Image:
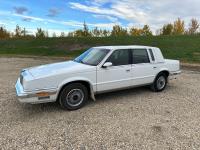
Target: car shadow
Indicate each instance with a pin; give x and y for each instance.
(118, 95)
(55, 107)
(114, 96)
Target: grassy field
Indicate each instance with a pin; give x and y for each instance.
(185, 48)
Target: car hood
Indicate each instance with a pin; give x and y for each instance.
(58, 68)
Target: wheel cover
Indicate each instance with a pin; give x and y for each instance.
(75, 97)
(161, 82)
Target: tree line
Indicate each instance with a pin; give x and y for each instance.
(178, 27)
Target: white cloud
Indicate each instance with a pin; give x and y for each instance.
(50, 31)
(112, 19)
(103, 25)
(2, 23)
(140, 12)
(29, 17)
(71, 23)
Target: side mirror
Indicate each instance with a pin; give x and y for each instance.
(107, 64)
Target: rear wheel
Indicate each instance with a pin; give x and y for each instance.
(159, 83)
(73, 96)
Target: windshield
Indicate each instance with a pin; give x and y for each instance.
(92, 56)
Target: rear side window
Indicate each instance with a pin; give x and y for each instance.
(140, 56)
(119, 57)
(152, 56)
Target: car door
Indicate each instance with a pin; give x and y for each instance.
(116, 76)
(143, 71)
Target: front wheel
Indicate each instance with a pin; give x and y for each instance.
(159, 83)
(73, 96)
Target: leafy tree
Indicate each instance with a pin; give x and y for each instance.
(4, 33)
(193, 26)
(146, 31)
(179, 27)
(78, 33)
(167, 29)
(135, 31)
(118, 31)
(40, 33)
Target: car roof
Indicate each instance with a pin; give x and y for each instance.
(124, 47)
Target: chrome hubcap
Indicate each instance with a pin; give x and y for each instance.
(75, 97)
(161, 82)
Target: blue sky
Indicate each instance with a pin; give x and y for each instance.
(68, 15)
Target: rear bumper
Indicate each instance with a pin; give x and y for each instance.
(27, 97)
(174, 75)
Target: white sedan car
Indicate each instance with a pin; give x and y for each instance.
(98, 70)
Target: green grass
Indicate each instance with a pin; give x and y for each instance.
(185, 48)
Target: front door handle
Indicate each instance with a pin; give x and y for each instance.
(128, 70)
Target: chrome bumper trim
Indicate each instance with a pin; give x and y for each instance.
(175, 73)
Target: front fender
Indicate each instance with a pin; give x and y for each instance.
(75, 79)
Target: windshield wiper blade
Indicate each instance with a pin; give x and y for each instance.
(81, 62)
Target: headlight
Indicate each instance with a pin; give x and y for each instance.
(23, 73)
(21, 79)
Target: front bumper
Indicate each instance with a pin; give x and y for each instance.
(21, 95)
(28, 97)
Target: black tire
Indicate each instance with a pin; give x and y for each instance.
(159, 83)
(73, 96)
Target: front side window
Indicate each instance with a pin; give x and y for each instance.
(140, 56)
(119, 57)
(92, 56)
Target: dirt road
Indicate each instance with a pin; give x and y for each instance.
(131, 119)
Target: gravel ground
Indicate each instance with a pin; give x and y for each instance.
(131, 119)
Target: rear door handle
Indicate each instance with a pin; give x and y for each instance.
(154, 67)
(128, 70)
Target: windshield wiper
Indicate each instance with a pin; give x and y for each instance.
(82, 62)
(78, 61)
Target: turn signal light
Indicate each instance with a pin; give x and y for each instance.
(42, 94)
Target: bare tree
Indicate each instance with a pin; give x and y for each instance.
(54, 34)
(86, 32)
(18, 31)
(62, 34)
(40, 33)
(193, 26)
